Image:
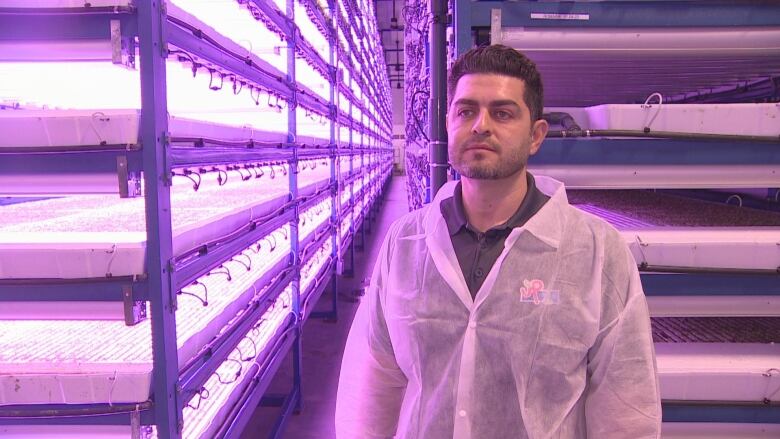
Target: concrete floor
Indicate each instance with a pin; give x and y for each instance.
(323, 341)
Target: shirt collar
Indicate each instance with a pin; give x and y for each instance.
(455, 214)
(547, 225)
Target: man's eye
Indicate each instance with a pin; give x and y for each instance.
(465, 113)
(503, 115)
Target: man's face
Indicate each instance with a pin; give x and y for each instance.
(489, 127)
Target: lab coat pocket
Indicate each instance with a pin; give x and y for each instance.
(405, 275)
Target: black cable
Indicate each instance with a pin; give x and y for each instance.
(205, 300)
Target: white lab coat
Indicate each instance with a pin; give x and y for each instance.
(557, 343)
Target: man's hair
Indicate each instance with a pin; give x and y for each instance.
(500, 60)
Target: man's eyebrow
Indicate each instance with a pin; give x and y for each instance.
(466, 102)
(498, 103)
(504, 103)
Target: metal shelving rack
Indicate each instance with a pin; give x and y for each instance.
(475, 22)
(367, 146)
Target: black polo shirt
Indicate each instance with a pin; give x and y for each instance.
(477, 252)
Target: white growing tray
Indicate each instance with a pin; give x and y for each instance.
(753, 119)
(743, 248)
(90, 236)
(718, 371)
(77, 362)
(81, 128)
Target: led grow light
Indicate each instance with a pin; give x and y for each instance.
(312, 125)
(311, 32)
(307, 75)
(311, 272)
(345, 196)
(314, 217)
(107, 235)
(101, 86)
(234, 21)
(114, 361)
(313, 178)
(344, 228)
(206, 412)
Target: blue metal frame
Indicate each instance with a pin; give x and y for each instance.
(335, 217)
(66, 24)
(160, 154)
(274, 15)
(655, 152)
(662, 13)
(57, 160)
(728, 412)
(710, 284)
(77, 290)
(189, 156)
(292, 129)
(159, 235)
(47, 414)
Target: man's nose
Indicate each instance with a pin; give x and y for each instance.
(482, 123)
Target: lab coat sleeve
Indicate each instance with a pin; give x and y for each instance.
(622, 396)
(371, 385)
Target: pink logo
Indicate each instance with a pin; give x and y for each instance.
(533, 292)
(530, 290)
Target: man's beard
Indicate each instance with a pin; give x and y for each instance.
(506, 166)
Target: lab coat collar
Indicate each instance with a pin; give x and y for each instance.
(546, 225)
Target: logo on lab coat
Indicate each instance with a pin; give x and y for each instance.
(533, 291)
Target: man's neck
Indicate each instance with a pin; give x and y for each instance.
(489, 203)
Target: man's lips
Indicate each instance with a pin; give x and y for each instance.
(479, 147)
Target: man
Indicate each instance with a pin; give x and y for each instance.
(499, 310)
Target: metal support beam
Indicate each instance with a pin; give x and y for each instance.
(292, 133)
(154, 138)
(437, 105)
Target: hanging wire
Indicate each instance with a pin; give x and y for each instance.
(241, 173)
(236, 377)
(102, 118)
(247, 265)
(188, 174)
(202, 395)
(768, 397)
(238, 85)
(647, 106)
(220, 180)
(252, 95)
(222, 269)
(205, 299)
(211, 80)
(269, 238)
(258, 171)
(254, 353)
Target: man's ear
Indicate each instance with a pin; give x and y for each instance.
(538, 134)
